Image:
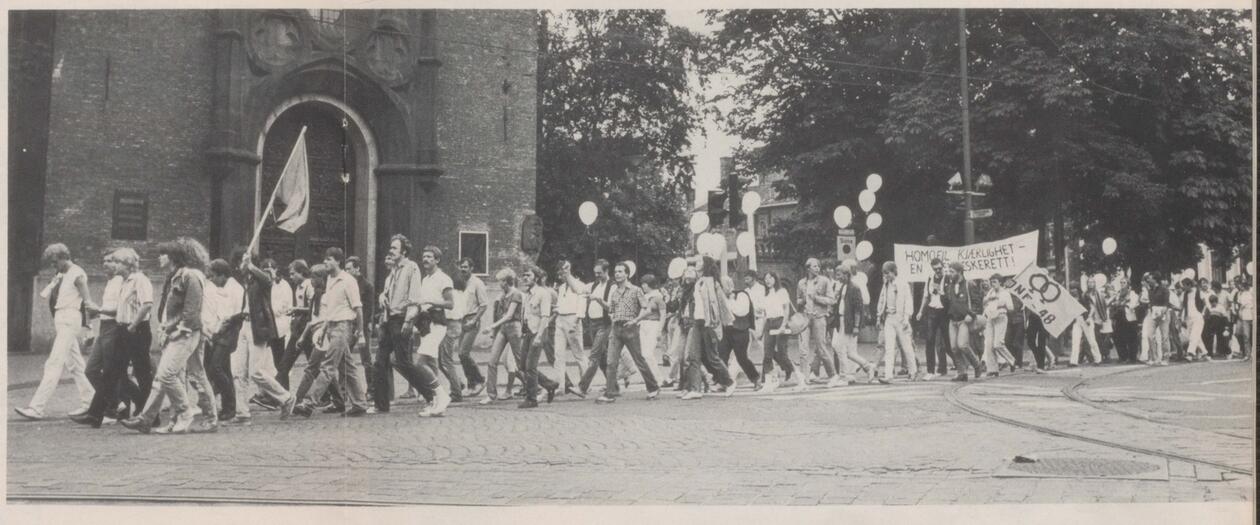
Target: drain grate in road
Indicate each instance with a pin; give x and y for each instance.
(1085, 467)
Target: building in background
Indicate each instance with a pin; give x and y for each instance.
(128, 128)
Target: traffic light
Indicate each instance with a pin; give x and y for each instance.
(735, 213)
(717, 208)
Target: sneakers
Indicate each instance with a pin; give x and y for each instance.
(605, 400)
(204, 425)
(929, 376)
(473, 390)
(801, 386)
(81, 411)
(730, 390)
(884, 381)
(653, 394)
(690, 395)
(182, 422)
(441, 400)
(29, 413)
(486, 400)
(835, 381)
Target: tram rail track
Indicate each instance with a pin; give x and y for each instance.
(1072, 392)
(952, 395)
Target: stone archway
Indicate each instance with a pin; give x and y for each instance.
(343, 212)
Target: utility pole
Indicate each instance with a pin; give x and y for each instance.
(969, 225)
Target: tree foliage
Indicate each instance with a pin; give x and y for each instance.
(617, 105)
(1130, 124)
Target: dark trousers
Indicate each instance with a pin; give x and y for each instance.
(701, 351)
(277, 345)
(937, 340)
(1036, 337)
(627, 336)
(1125, 339)
(528, 366)
(775, 348)
(1015, 339)
(394, 343)
(136, 346)
(736, 340)
(107, 371)
(599, 352)
(218, 361)
(296, 345)
(1214, 339)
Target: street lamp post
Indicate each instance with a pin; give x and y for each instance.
(969, 225)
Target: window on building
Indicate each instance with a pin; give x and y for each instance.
(475, 246)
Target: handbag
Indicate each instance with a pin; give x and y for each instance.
(228, 334)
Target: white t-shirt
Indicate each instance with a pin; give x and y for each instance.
(460, 301)
(281, 302)
(776, 303)
(431, 288)
(1246, 305)
(110, 300)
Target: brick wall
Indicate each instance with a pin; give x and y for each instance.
(488, 183)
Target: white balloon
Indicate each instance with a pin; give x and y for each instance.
(699, 222)
(859, 278)
(1100, 280)
(752, 201)
(712, 244)
(1109, 246)
(746, 243)
(874, 220)
(864, 250)
(1188, 273)
(1251, 268)
(588, 212)
(677, 267)
(866, 200)
(843, 216)
(874, 182)
(633, 268)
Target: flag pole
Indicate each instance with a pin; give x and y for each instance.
(262, 219)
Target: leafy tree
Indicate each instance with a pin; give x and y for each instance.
(617, 105)
(1130, 124)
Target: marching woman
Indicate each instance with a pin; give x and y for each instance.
(997, 306)
(707, 313)
(778, 305)
(506, 330)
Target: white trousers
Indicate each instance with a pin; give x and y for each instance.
(66, 353)
(1085, 328)
(253, 365)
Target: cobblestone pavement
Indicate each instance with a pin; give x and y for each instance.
(902, 444)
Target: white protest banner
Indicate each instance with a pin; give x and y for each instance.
(1005, 257)
(1045, 298)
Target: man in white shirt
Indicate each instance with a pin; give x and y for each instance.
(223, 300)
(896, 305)
(281, 303)
(569, 312)
(340, 323)
(68, 296)
(448, 355)
(933, 308)
(537, 318)
(597, 321)
(437, 297)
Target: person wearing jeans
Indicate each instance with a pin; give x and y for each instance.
(933, 308)
(181, 316)
(1083, 326)
(814, 299)
(400, 299)
(895, 306)
(704, 311)
(961, 309)
(597, 324)
(626, 309)
(475, 304)
(505, 331)
(735, 336)
(224, 299)
(538, 308)
(997, 306)
(338, 325)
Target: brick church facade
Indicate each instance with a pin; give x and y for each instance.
(128, 128)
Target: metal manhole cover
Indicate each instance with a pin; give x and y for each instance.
(1085, 467)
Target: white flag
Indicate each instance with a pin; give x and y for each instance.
(294, 188)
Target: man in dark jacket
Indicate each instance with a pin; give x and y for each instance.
(962, 306)
(848, 314)
(252, 360)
